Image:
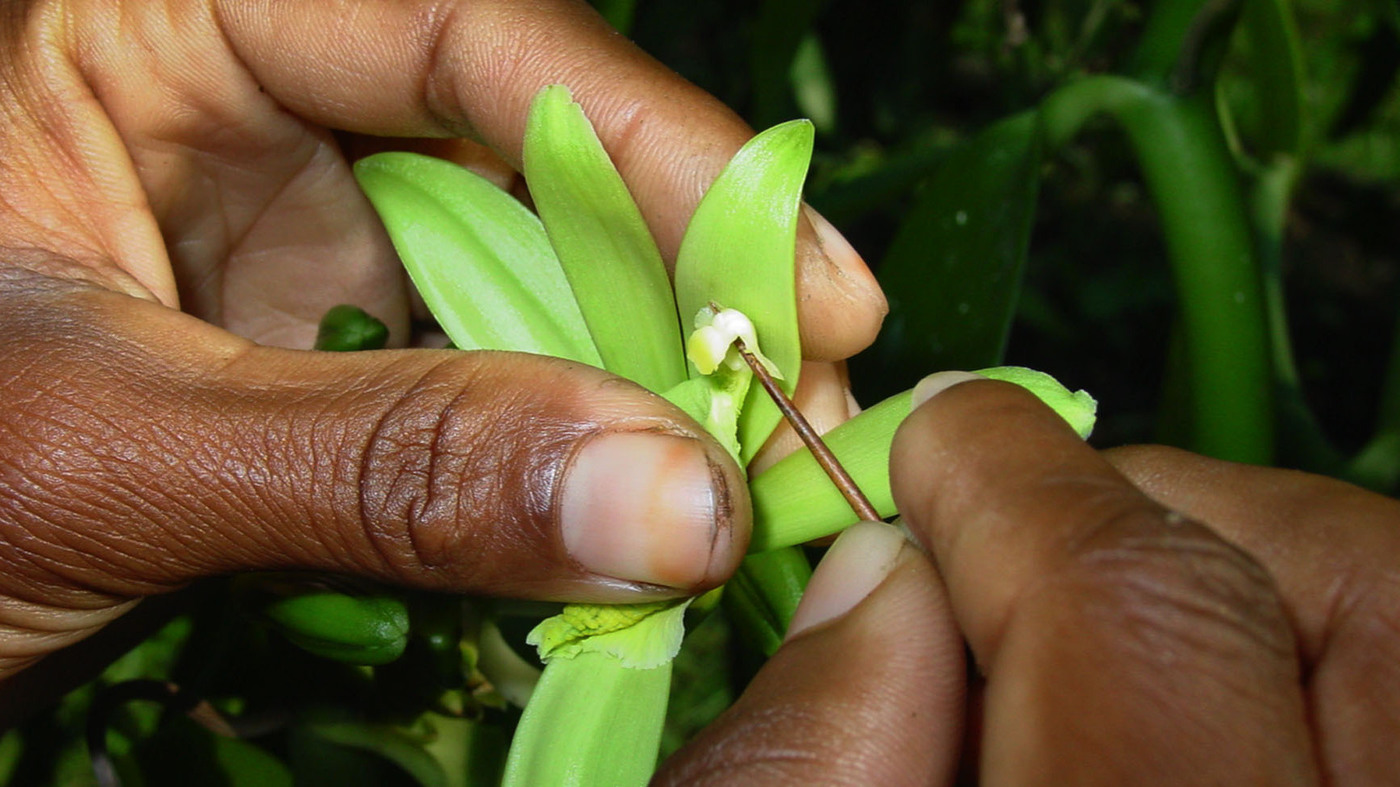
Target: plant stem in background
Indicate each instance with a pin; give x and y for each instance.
(1378, 464)
(1187, 166)
(1182, 42)
(1302, 441)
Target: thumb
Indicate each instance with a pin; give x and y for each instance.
(144, 448)
(868, 687)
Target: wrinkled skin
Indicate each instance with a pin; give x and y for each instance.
(1144, 616)
(176, 212)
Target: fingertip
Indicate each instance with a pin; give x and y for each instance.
(968, 440)
(937, 383)
(859, 560)
(895, 712)
(840, 304)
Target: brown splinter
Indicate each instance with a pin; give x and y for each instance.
(858, 501)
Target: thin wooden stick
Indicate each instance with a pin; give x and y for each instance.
(844, 483)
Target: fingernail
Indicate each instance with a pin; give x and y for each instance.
(938, 382)
(645, 507)
(854, 273)
(855, 565)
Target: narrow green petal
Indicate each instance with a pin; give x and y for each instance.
(714, 401)
(603, 243)
(480, 259)
(738, 252)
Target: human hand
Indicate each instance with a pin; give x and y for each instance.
(1146, 616)
(177, 207)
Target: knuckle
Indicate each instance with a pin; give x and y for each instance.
(461, 462)
(1367, 620)
(1156, 577)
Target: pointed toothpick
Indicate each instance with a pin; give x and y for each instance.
(844, 483)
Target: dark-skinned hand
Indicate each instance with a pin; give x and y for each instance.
(176, 214)
(1141, 617)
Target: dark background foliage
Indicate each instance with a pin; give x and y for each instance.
(901, 83)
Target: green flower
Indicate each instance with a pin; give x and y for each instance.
(583, 280)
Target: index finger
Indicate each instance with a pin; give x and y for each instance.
(1122, 642)
(471, 68)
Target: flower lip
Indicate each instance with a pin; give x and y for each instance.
(712, 342)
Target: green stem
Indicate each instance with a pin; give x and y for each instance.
(1377, 466)
(763, 595)
(591, 722)
(1181, 43)
(1389, 420)
(1302, 441)
(1064, 112)
(1187, 166)
(1273, 188)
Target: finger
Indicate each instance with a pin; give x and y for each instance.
(201, 454)
(413, 69)
(138, 143)
(1334, 549)
(213, 161)
(866, 690)
(1122, 643)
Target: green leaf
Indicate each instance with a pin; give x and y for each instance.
(1267, 47)
(183, 753)
(591, 722)
(739, 250)
(479, 258)
(11, 749)
(953, 272)
(603, 244)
